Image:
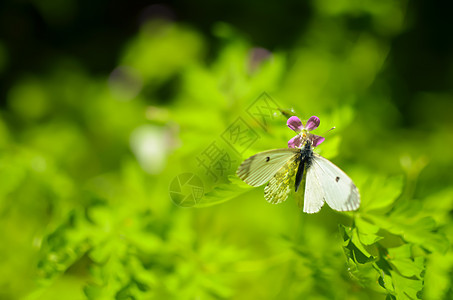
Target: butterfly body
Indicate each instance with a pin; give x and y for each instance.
(285, 168)
(306, 157)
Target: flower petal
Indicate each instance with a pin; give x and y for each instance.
(295, 142)
(316, 140)
(295, 124)
(312, 123)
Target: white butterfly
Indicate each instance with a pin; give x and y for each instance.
(286, 168)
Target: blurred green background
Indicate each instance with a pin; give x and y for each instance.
(104, 104)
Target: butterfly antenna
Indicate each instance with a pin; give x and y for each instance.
(329, 130)
(287, 112)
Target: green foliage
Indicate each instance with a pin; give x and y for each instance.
(395, 239)
(86, 163)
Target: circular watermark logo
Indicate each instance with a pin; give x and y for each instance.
(186, 190)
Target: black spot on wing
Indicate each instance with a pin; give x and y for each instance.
(268, 158)
(337, 179)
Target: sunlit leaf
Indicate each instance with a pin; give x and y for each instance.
(380, 192)
(367, 232)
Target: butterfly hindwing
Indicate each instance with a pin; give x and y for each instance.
(333, 184)
(279, 187)
(260, 168)
(314, 193)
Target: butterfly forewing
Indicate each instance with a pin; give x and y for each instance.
(260, 168)
(279, 187)
(337, 188)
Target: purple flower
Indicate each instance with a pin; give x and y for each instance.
(303, 132)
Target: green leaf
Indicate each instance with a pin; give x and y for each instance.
(367, 232)
(406, 288)
(404, 282)
(401, 258)
(385, 280)
(419, 231)
(438, 276)
(379, 192)
(352, 246)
